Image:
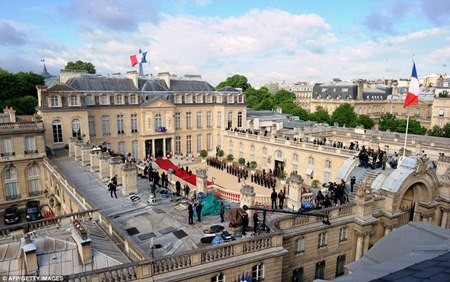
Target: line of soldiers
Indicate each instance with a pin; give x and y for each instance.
(216, 163)
(264, 179)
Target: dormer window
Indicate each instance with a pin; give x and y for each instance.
(187, 99)
(119, 100)
(73, 100)
(105, 100)
(89, 100)
(133, 99)
(54, 101)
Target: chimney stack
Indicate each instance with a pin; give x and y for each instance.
(80, 235)
(29, 255)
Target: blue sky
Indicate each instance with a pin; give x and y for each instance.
(267, 41)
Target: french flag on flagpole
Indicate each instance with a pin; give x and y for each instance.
(412, 98)
(138, 59)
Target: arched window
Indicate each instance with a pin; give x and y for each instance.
(57, 131)
(252, 153)
(10, 180)
(76, 130)
(231, 147)
(239, 121)
(34, 187)
(241, 150)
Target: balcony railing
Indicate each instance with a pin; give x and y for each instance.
(12, 197)
(26, 152)
(35, 193)
(7, 154)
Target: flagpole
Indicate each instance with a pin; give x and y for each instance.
(406, 133)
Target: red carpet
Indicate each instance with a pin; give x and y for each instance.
(166, 164)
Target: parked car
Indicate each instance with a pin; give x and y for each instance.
(33, 211)
(12, 215)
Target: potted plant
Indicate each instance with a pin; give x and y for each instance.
(253, 166)
(282, 176)
(241, 161)
(203, 155)
(315, 183)
(230, 159)
(221, 153)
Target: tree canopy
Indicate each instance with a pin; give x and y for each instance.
(236, 81)
(19, 90)
(366, 121)
(390, 122)
(320, 115)
(344, 114)
(440, 131)
(80, 65)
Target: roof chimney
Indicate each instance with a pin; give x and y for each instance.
(80, 235)
(29, 254)
(166, 77)
(133, 75)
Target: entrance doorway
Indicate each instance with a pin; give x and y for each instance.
(279, 166)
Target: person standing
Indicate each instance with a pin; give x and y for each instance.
(222, 212)
(114, 180)
(191, 214)
(352, 183)
(281, 197)
(273, 197)
(112, 188)
(255, 221)
(198, 209)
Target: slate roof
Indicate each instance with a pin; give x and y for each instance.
(152, 85)
(417, 249)
(190, 85)
(228, 89)
(61, 87)
(89, 83)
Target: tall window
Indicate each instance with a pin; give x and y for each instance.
(295, 162)
(34, 187)
(241, 150)
(343, 234)
(177, 145)
(258, 272)
(76, 128)
(218, 278)
(199, 143)
(105, 125)
(326, 176)
(311, 161)
(322, 242)
(30, 144)
(134, 126)
(340, 263)
(297, 275)
(320, 270)
(122, 147)
(54, 101)
(199, 119)
(188, 144)
(135, 149)
(7, 149)
(208, 119)
(177, 120)
(230, 120)
(91, 121)
(231, 147)
(10, 179)
(252, 153)
(219, 139)
(239, 121)
(300, 245)
(208, 142)
(328, 164)
(188, 120)
(120, 126)
(88, 99)
(158, 121)
(264, 158)
(219, 119)
(57, 131)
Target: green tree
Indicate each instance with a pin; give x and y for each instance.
(414, 127)
(26, 105)
(436, 131)
(237, 81)
(344, 114)
(80, 65)
(365, 121)
(388, 122)
(320, 115)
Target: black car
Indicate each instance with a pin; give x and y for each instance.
(33, 210)
(12, 215)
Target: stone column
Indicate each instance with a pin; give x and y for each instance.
(77, 149)
(153, 148)
(71, 148)
(164, 148)
(294, 198)
(128, 179)
(359, 245)
(85, 155)
(114, 169)
(387, 229)
(202, 180)
(94, 160)
(366, 243)
(104, 166)
(248, 198)
(444, 218)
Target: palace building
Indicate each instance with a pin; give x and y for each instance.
(170, 117)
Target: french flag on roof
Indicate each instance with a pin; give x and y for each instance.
(412, 98)
(139, 59)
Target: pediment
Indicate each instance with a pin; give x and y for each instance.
(158, 103)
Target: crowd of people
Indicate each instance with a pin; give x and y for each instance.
(334, 194)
